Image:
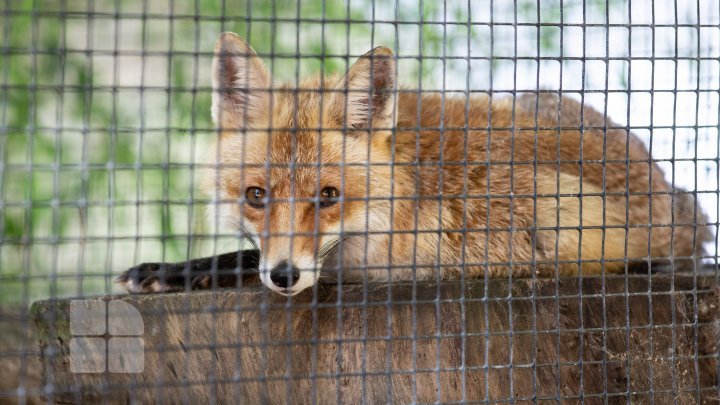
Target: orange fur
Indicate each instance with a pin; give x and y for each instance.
(421, 192)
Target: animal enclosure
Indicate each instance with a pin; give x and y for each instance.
(359, 201)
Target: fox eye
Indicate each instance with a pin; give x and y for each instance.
(329, 196)
(255, 196)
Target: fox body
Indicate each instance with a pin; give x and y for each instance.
(423, 182)
(353, 174)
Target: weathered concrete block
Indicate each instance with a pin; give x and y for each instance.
(634, 337)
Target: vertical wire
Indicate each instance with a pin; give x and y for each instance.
(114, 133)
(389, 324)
(673, 302)
(389, 350)
(716, 246)
(295, 133)
(142, 107)
(267, 235)
(212, 381)
(339, 268)
(626, 269)
(193, 144)
(696, 320)
(139, 184)
(390, 235)
(240, 200)
(511, 220)
(5, 131)
(441, 167)
(160, 380)
(363, 365)
(651, 371)
(168, 119)
(464, 227)
(164, 203)
(59, 130)
(394, 114)
(486, 275)
(84, 203)
(558, 158)
(416, 178)
(581, 345)
(55, 204)
(217, 201)
(4, 135)
(316, 220)
(238, 270)
(717, 225)
(30, 132)
(4, 122)
(533, 250)
(317, 164)
(261, 377)
(603, 275)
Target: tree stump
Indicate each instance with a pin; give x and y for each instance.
(638, 337)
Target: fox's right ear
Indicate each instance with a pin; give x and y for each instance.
(241, 85)
(365, 97)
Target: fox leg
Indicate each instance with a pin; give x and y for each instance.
(165, 277)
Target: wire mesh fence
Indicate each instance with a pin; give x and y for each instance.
(386, 201)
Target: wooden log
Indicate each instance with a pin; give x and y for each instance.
(20, 369)
(640, 338)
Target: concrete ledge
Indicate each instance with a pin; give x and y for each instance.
(643, 338)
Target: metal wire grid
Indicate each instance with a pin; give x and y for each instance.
(26, 167)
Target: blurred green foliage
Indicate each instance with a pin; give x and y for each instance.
(105, 104)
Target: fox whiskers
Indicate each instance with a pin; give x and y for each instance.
(325, 251)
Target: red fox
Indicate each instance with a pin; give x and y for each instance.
(392, 184)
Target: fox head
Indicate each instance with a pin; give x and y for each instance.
(299, 168)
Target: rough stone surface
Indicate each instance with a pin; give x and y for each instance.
(638, 337)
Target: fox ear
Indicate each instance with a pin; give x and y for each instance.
(241, 85)
(366, 94)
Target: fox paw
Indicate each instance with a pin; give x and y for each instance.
(158, 278)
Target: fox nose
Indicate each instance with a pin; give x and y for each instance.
(284, 275)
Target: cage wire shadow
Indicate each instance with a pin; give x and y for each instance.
(110, 156)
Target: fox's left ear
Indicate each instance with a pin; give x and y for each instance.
(241, 85)
(365, 97)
